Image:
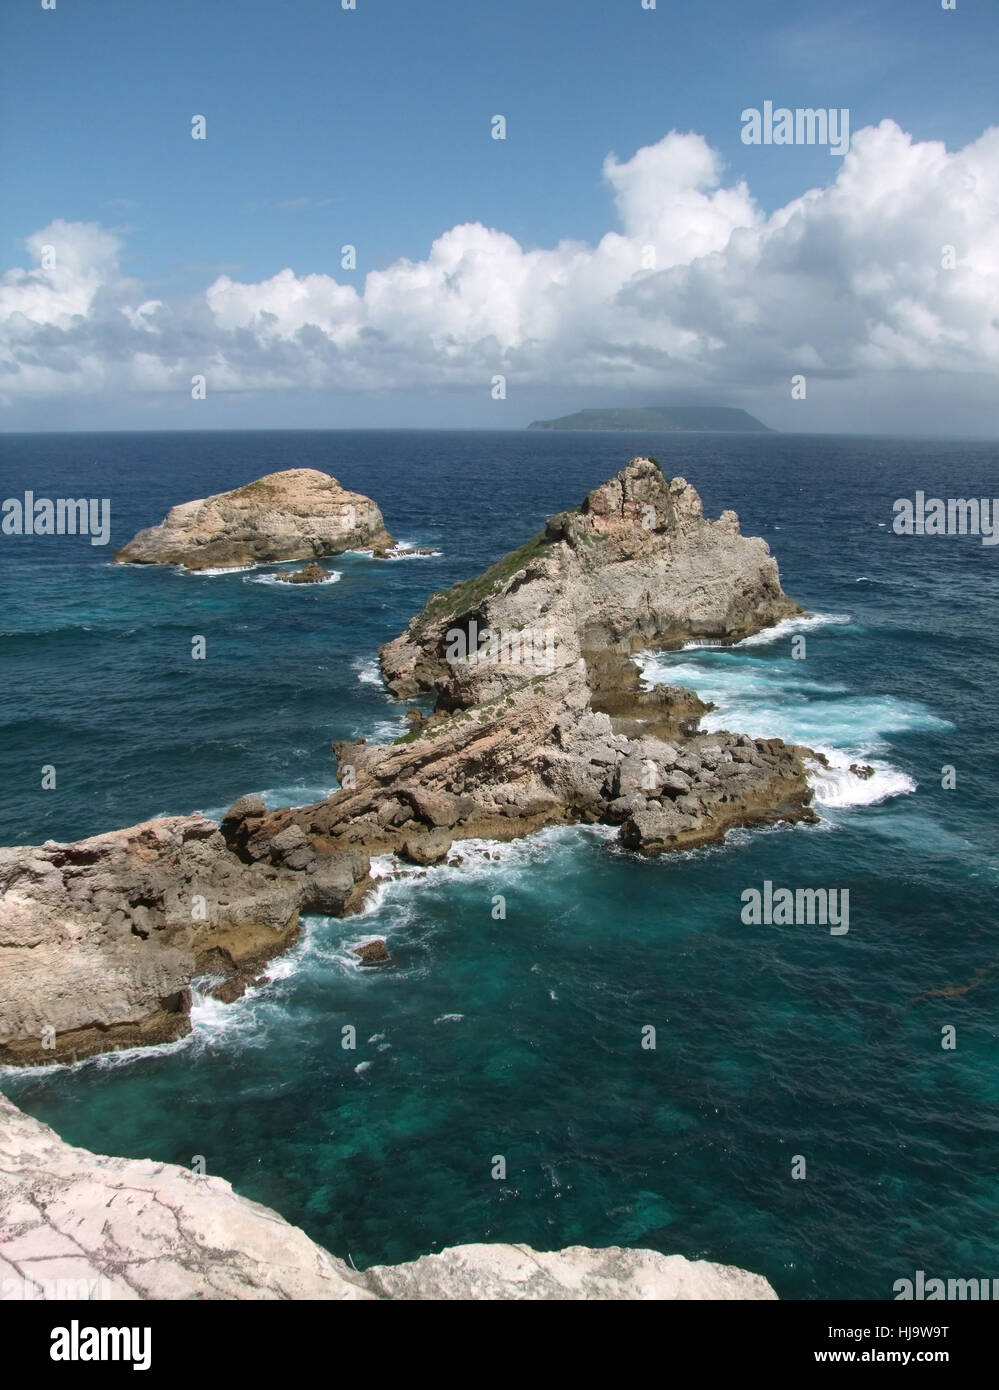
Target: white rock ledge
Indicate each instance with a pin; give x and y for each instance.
(74, 1224)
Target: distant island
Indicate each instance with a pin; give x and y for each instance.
(659, 417)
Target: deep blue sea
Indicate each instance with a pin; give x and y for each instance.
(523, 1037)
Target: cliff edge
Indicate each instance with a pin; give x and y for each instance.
(74, 1224)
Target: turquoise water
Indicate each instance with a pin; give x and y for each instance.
(522, 1037)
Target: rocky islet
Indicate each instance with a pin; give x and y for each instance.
(296, 514)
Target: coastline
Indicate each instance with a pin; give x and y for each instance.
(106, 935)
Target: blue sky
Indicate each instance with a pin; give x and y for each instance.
(372, 127)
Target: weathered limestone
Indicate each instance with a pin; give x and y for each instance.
(636, 566)
(559, 728)
(539, 757)
(99, 940)
(517, 1272)
(298, 514)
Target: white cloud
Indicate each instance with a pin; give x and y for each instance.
(81, 257)
(846, 281)
(669, 194)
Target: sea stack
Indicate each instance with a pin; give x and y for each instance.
(636, 565)
(298, 514)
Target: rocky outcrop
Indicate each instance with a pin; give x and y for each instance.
(100, 940)
(298, 514)
(542, 756)
(541, 719)
(541, 715)
(636, 566)
(74, 1225)
(507, 1272)
(308, 574)
(373, 952)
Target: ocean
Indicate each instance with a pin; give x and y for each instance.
(522, 1038)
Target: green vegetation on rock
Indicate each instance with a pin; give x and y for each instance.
(471, 592)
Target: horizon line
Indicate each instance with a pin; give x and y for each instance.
(510, 429)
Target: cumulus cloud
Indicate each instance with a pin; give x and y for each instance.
(694, 286)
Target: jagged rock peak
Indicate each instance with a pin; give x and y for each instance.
(639, 509)
(637, 565)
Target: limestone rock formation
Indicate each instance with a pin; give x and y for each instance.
(74, 1225)
(541, 719)
(298, 514)
(541, 715)
(508, 1272)
(637, 565)
(99, 940)
(373, 952)
(539, 757)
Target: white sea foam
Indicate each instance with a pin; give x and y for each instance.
(768, 696)
(123, 1057)
(407, 550)
(836, 785)
(214, 573)
(767, 699)
(384, 865)
(473, 858)
(386, 730)
(368, 670)
(332, 577)
(746, 682)
(856, 725)
(788, 626)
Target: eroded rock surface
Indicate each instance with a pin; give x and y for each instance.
(578, 1272)
(542, 756)
(100, 939)
(298, 514)
(636, 565)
